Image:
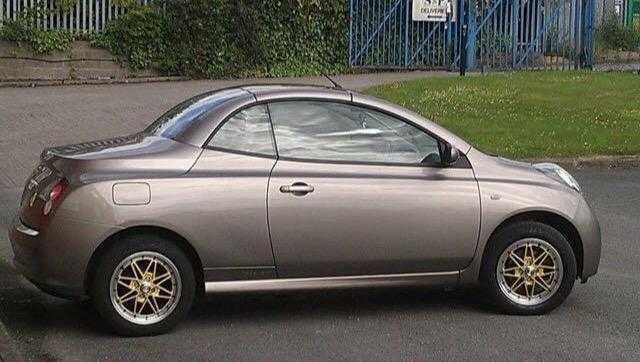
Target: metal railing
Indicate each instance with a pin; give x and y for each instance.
(475, 34)
(83, 16)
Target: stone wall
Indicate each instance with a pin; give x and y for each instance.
(82, 62)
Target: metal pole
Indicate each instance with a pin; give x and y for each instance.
(406, 33)
(463, 40)
(351, 32)
(514, 31)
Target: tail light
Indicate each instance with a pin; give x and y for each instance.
(55, 195)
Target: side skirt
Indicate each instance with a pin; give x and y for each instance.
(359, 281)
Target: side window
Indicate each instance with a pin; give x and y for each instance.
(341, 132)
(247, 131)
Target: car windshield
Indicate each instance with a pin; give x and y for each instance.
(188, 113)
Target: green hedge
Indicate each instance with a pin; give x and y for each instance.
(613, 35)
(232, 38)
(22, 30)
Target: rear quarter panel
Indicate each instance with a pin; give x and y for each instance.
(223, 219)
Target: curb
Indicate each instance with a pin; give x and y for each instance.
(608, 162)
(60, 82)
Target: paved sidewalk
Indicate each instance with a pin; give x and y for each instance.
(34, 118)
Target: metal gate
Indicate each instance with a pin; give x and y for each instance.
(474, 34)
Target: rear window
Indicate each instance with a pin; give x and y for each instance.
(189, 113)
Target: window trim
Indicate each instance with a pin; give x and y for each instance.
(229, 150)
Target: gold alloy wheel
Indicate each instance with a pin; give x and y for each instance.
(145, 288)
(529, 271)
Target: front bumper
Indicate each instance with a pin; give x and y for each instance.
(55, 259)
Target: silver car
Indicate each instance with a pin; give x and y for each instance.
(283, 187)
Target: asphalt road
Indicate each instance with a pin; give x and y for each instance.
(599, 321)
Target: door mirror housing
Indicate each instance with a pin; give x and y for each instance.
(449, 155)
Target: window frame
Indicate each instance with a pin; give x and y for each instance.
(351, 162)
(462, 162)
(274, 156)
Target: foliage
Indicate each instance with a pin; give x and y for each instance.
(23, 30)
(531, 114)
(139, 38)
(126, 3)
(613, 35)
(225, 38)
(65, 5)
(210, 38)
(200, 45)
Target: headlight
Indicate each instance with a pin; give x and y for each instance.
(558, 173)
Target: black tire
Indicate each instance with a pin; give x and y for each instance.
(109, 261)
(509, 235)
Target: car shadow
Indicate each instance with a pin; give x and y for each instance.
(31, 315)
(300, 305)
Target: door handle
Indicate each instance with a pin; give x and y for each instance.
(297, 188)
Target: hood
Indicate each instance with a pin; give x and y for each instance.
(496, 168)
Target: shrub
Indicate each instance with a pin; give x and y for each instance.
(226, 38)
(612, 35)
(139, 38)
(213, 38)
(199, 38)
(22, 30)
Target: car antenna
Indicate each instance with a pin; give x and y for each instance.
(335, 84)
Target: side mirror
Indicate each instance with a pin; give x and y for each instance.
(450, 154)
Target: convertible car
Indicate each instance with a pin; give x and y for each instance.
(289, 187)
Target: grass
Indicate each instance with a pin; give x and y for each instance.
(531, 114)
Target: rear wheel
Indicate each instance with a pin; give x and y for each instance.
(143, 285)
(529, 268)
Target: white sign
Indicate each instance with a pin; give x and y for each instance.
(432, 10)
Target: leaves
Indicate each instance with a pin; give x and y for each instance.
(22, 30)
(222, 38)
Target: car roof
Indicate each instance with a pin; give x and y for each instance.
(275, 91)
(266, 92)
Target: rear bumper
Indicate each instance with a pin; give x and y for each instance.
(56, 259)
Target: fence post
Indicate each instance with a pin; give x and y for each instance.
(589, 36)
(515, 9)
(406, 32)
(579, 24)
(351, 32)
(470, 44)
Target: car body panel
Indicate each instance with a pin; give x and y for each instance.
(219, 206)
(270, 92)
(56, 259)
(509, 188)
(372, 219)
(357, 281)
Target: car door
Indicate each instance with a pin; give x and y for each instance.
(358, 192)
(229, 181)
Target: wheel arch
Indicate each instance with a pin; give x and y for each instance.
(168, 234)
(558, 222)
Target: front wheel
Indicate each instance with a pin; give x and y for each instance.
(143, 285)
(529, 268)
